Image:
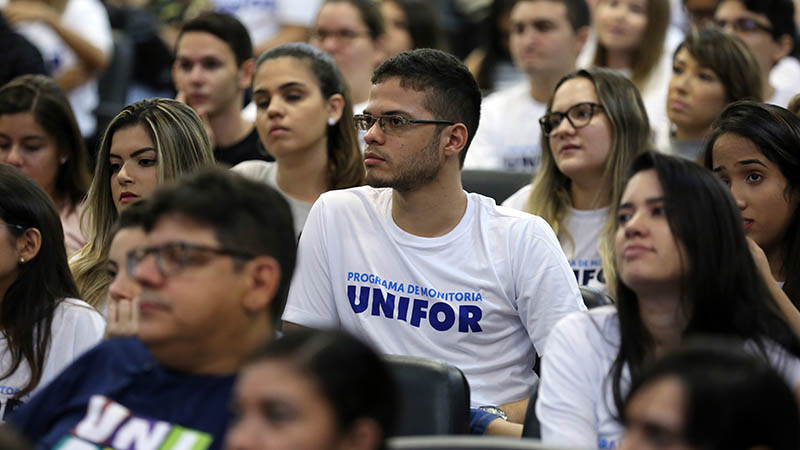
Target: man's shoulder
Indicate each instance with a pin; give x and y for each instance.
(356, 197)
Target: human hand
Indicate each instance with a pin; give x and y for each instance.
(202, 112)
(123, 318)
(26, 11)
(760, 258)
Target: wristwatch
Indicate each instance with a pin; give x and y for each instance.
(494, 410)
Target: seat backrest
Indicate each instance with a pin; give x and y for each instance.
(498, 184)
(531, 427)
(593, 298)
(433, 397)
(466, 443)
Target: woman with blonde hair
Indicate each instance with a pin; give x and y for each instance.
(305, 119)
(631, 38)
(584, 159)
(147, 143)
(40, 137)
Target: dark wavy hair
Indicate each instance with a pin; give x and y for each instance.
(345, 166)
(775, 132)
(364, 389)
(28, 306)
(732, 400)
(721, 288)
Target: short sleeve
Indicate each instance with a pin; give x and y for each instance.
(311, 301)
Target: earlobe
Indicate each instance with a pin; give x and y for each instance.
(335, 106)
(246, 73)
(364, 434)
(456, 139)
(29, 244)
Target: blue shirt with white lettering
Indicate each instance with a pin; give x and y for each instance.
(117, 395)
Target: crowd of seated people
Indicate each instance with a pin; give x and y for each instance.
(148, 291)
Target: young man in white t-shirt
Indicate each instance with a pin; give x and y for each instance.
(415, 265)
(546, 38)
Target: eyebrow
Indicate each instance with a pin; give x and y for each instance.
(649, 201)
(744, 162)
(134, 154)
(394, 112)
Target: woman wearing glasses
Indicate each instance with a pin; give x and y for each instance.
(147, 143)
(44, 327)
(304, 117)
(595, 125)
(710, 69)
(684, 270)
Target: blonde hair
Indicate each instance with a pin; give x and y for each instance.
(182, 146)
(647, 55)
(550, 195)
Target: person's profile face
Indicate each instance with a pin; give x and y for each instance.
(542, 41)
(206, 74)
(655, 417)
(695, 96)
(759, 188)
(277, 407)
(133, 165)
(647, 253)
(767, 51)
(26, 145)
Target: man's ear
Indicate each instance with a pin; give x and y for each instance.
(246, 71)
(29, 244)
(455, 139)
(581, 37)
(783, 48)
(263, 275)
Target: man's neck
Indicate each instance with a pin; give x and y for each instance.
(432, 210)
(542, 87)
(229, 127)
(218, 355)
(304, 175)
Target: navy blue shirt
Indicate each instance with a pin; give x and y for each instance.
(117, 395)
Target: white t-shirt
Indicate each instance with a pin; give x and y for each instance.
(76, 327)
(508, 137)
(782, 96)
(483, 297)
(89, 19)
(267, 172)
(585, 227)
(264, 18)
(785, 76)
(575, 405)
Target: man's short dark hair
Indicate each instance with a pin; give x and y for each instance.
(225, 27)
(451, 92)
(780, 14)
(577, 11)
(245, 215)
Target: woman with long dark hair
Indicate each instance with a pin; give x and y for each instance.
(754, 148)
(683, 268)
(305, 118)
(44, 326)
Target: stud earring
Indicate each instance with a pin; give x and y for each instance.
(22, 260)
(332, 121)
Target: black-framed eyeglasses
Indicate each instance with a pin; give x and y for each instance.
(338, 35)
(173, 257)
(744, 24)
(390, 123)
(578, 115)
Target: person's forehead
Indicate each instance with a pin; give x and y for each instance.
(202, 44)
(172, 227)
(530, 10)
(394, 95)
(340, 15)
